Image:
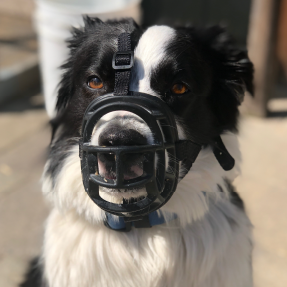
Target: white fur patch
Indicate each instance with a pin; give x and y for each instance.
(118, 196)
(148, 54)
(124, 120)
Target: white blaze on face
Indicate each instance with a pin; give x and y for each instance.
(124, 120)
(149, 53)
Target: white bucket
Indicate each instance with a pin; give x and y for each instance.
(53, 21)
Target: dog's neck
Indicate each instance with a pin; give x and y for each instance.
(206, 175)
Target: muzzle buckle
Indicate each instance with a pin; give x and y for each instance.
(129, 57)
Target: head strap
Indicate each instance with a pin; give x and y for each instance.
(123, 61)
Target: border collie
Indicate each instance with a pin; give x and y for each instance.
(202, 77)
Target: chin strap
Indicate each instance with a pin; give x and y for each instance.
(123, 224)
(224, 158)
(187, 152)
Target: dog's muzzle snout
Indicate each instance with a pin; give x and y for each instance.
(115, 136)
(129, 153)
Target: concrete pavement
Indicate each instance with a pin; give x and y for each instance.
(263, 186)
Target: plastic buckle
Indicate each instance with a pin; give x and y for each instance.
(127, 228)
(123, 67)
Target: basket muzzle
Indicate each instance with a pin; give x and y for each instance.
(160, 174)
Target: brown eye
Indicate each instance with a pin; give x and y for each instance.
(179, 89)
(95, 83)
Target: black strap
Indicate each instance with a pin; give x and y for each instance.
(140, 222)
(187, 149)
(187, 152)
(123, 61)
(222, 155)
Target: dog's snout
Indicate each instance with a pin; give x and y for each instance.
(116, 136)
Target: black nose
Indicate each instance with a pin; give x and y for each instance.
(116, 136)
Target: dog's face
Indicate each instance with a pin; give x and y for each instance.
(198, 73)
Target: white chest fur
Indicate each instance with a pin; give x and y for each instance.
(213, 252)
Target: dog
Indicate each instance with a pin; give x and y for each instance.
(202, 77)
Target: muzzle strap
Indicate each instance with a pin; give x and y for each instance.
(187, 152)
(222, 155)
(153, 219)
(123, 61)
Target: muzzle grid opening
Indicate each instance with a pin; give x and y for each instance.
(156, 178)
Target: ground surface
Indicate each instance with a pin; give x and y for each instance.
(25, 136)
(263, 186)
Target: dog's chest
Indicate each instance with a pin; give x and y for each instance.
(78, 254)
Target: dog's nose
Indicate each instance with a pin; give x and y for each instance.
(116, 136)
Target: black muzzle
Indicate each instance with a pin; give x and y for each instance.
(160, 160)
(159, 180)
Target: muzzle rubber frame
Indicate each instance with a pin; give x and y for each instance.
(159, 180)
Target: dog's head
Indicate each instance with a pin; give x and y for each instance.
(198, 73)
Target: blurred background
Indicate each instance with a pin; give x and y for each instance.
(32, 35)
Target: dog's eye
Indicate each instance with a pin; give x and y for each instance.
(179, 89)
(95, 83)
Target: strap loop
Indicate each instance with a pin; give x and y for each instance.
(222, 155)
(122, 63)
(124, 224)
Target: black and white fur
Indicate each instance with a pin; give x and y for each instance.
(210, 244)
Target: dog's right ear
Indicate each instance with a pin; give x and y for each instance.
(66, 88)
(90, 21)
(232, 66)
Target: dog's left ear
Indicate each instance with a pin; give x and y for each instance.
(232, 68)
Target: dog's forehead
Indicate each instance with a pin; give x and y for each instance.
(149, 53)
(152, 45)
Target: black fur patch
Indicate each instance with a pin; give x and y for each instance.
(59, 151)
(234, 196)
(91, 52)
(217, 74)
(34, 277)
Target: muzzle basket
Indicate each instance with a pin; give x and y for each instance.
(159, 182)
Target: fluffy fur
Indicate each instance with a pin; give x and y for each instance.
(209, 245)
